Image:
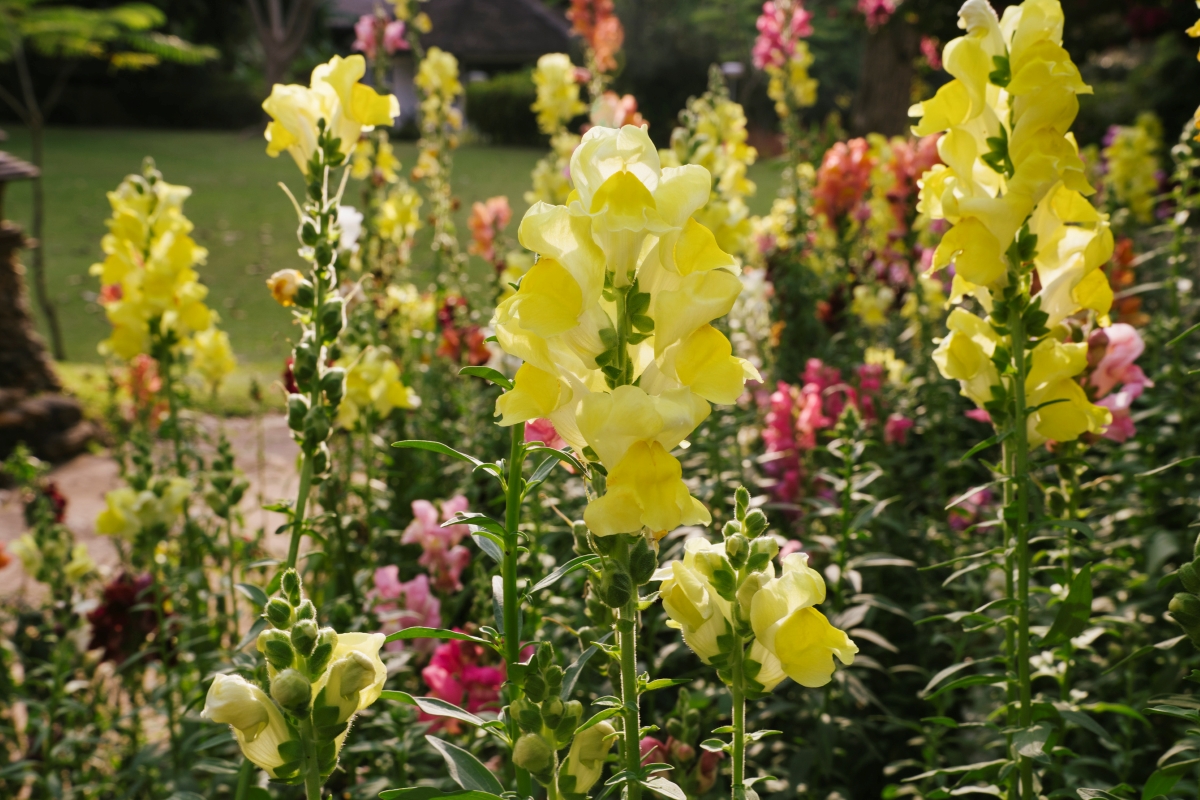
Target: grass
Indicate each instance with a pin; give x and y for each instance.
(240, 215)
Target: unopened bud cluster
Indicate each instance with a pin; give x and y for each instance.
(1185, 606)
(547, 722)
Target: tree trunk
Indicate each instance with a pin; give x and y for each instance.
(885, 87)
(36, 133)
(282, 32)
(33, 409)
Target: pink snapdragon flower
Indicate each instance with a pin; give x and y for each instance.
(543, 430)
(895, 430)
(486, 222)
(444, 557)
(1123, 346)
(1121, 428)
(843, 180)
(454, 674)
(779, 436)
(777, 34)
(877, 12)
(405, 604)
(931, 49)
(366, 35)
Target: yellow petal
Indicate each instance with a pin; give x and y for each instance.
(697, 250)
(369, 107)
(535, 394)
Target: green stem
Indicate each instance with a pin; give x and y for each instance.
(233, 609)
(508, 574)
(627, 640)
(245, 773)
(312, 768)
(1021, 523)
(1010, 624)
(301, 500)
(164, 653)
(738, 690)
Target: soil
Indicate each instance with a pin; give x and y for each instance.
(84, 480)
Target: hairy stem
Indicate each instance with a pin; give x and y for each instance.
(1021, 523)
(627, 639)
(738, 690)
(508, 574)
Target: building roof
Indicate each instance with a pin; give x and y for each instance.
(480, 31)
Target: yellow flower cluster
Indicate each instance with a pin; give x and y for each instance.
(128, 512)
(373, 385)
(624, 292)
(1011, 166)
(375, 156)
(437, 78)
(790, 86)
(872, 302)
(399, 215)
(551, 175)
(403, 9)
(557, 93)
(409, 313)
(792, 639)
(1132, 161)
(713, 135)
(334, 95)
(149, 279)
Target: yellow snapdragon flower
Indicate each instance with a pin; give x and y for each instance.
(372, 383)
(212, 356)
(334, 95)
(693, 605)
(627, 236)
(437, 77)
(128, 512)
(557, 93)
(1132, 161)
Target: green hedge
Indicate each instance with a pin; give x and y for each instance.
(499, 108)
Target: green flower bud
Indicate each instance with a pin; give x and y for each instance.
(297, 409)
(552, 711)
(278, 612)
(1186, 610)
(304, 636)
(585, 759)
(358, 674)
(308, 233)
(323, 253)
(674, 728)
(316, 427)
(323, 652)
(756, 523)
(289, 585)
(643, 561)
(1196, 548)
(277, 647)
(571, 717)
(320, 461)
(762, 551)
(333, 318)
(532, 753)
(617, 588)
(535, 687)
(741, 502)
(333, 384)
(737, 550)
(526, 713)
(1190, 578)
(603, 545)
(305, 294)
(545, 655)
(730, 529)
(304, 360)
(292, 691)
(306, 610)
(554, 678)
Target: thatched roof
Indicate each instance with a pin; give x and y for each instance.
(14, 169)
(480, 31)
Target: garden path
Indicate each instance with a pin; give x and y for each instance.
(271, 471)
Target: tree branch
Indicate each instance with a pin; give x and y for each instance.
(60, 84)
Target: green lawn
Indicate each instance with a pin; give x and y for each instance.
(240, 214)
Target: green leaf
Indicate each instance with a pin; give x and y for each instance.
(970, 680)
(597, 718)
(1179, 462)
(488, 374)
(665, 683)
(561, 455)
(430, 793)
(971, 492)
(1161, 782)
(440, 708)
(664, 788)
(571, 674)
(487, 543)
(869, 513)
(716, 746)
(985, 444)
(437, 447)
(579, 562)
(478, 521)
(1031, 742)
(946, 673)
(436, 633)
(253, 594)
(1074, 612)
(1071, 524)
(466, 770)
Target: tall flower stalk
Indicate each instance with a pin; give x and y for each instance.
(1028, 246)
(319, 126)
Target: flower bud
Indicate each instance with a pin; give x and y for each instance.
(762, 551)
(305, 295)
(323, 253)
(333, 384)
(682, 752)
(616, 588)
(322, 654)
(304, 636)
(532, 753)
(357, 675)
(304, 364)
(535, 687)
(571, 717)
(741, 502)
(554, 678)
(526, 714)
(545, 655)
(320, 461)
(277, 647)
(1185, 608)
(585, 760)
(1190, 578)
(308, 233)
(552, 711)
(297, 409)
(737, 550)
(306, 610)
(333, 318)
(279, 612)
(756, 523)
(642, 562)
(316, 427)
(292, 691)
(289, 584)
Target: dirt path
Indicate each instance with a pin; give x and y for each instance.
(270, 469)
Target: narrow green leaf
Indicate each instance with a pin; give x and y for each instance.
(253, 594)
(571, 675)
(663, 787)
(437, 447)
(488, 374)
(579, 562)
(466, 770)
(487, 543)
(985, 444)
(436, 633)
(1074, 612)
(430, 793)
